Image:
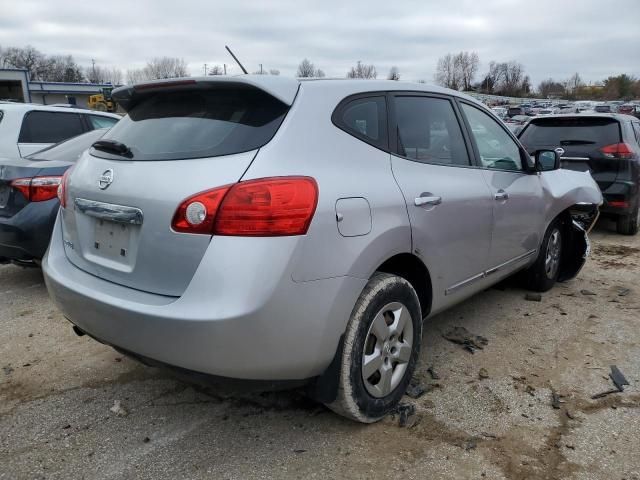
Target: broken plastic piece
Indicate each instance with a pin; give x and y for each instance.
(618, 378)
(462, 336)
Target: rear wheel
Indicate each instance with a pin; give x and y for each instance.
(629, 224)
(542, 275)
(381, 348)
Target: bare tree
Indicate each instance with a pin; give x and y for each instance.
(362, 70)
(394, 74)
(166, 67)
(467, 65)
(307, 69)
(574, 83)
(216, 70)
(512, 77)
(97, 74)
(447, 72)
(136, 76)
(27, 58)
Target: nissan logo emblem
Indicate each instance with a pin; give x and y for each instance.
(105, 179)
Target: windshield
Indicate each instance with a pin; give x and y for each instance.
(196, 124)
(69, 150)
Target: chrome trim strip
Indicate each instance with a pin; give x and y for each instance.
(479, 276)
(582, 159)
(109, 211)
(509, 262)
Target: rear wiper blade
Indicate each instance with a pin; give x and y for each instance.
(576, 142)
(111, 146)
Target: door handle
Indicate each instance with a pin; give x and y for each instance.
(501, 195)
(420, 201)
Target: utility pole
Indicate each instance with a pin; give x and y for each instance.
(93, 69)
(260, 69)
(205, 69)
(225, 68)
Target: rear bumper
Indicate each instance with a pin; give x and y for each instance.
(25, 236)
(241, 317)
(625, 192)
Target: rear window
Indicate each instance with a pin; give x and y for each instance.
(98, 121)
(198, 123)
(49, 127)
(515, 111)
(571, 131)
(603, 108)
(69, 150)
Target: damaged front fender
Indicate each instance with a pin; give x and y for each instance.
(574, 196)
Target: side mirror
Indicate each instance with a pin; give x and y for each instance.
(547, 160)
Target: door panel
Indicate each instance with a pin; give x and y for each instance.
(518, 211)
(448, 201)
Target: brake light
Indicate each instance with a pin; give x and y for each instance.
(619, 204)
(618, 150)
(266, 207)
(62, 188)
(38, 189)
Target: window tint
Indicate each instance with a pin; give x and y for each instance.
(197, 123)
(428, 131)
(555, 132)
(102, 122)
(69, 150)
(365, 118)
(49, 127)
(497, 149)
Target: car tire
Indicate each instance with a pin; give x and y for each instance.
(542, 275)
(385, 330)
(628, 224)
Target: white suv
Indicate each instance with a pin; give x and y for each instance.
(26, 128)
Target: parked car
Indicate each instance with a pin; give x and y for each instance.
(630, 109)
(607, 146)
(271, 229)
(516, 111)
(28, 197)
(604, 108)
(26, 128)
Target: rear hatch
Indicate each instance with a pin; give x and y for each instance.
(581, 139)
(178, 139)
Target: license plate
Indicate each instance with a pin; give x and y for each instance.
(5, 191)
(112, 240)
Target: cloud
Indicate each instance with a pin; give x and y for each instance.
(552, 38)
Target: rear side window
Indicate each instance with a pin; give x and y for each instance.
(197, 123)
(365, 118)
(636, 131)
(429, 132)
(49, 127)
(570, 131)
(101, 122)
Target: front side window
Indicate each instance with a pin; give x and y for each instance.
(428, 131)
(49, 127)
(497, 149)
(365, 118)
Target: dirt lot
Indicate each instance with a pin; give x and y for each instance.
(57, 391)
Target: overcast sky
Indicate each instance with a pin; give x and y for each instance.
(552, 38)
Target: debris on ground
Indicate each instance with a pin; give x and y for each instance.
(118, 409)
(483, 374)
(530, 390)
(555, 399)
(471, 444)
(623, 292)
(146, 439)
(604, 394)
(299, 450)
(415, 390)
(533, 297)
(587, 292)
(618, 378)
(462, 336)
(433, 373)
(8, 369)
(407, 414)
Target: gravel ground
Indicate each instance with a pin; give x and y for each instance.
(57, 393)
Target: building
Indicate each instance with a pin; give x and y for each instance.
(16, 86)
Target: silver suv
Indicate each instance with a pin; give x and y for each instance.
(265, 228)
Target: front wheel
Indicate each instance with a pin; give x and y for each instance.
(381, 348)
(542, 275)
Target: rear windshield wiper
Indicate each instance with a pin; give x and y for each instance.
(576, 142)
(111, 146)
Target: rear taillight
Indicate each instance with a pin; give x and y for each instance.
(38, 189)
(264, 207)
(618, 150)
(62, 188)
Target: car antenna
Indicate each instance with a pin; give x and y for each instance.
(237, 61)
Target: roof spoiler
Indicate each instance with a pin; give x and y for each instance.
(284, 89)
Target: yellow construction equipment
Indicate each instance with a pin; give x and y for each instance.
(103, 101)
